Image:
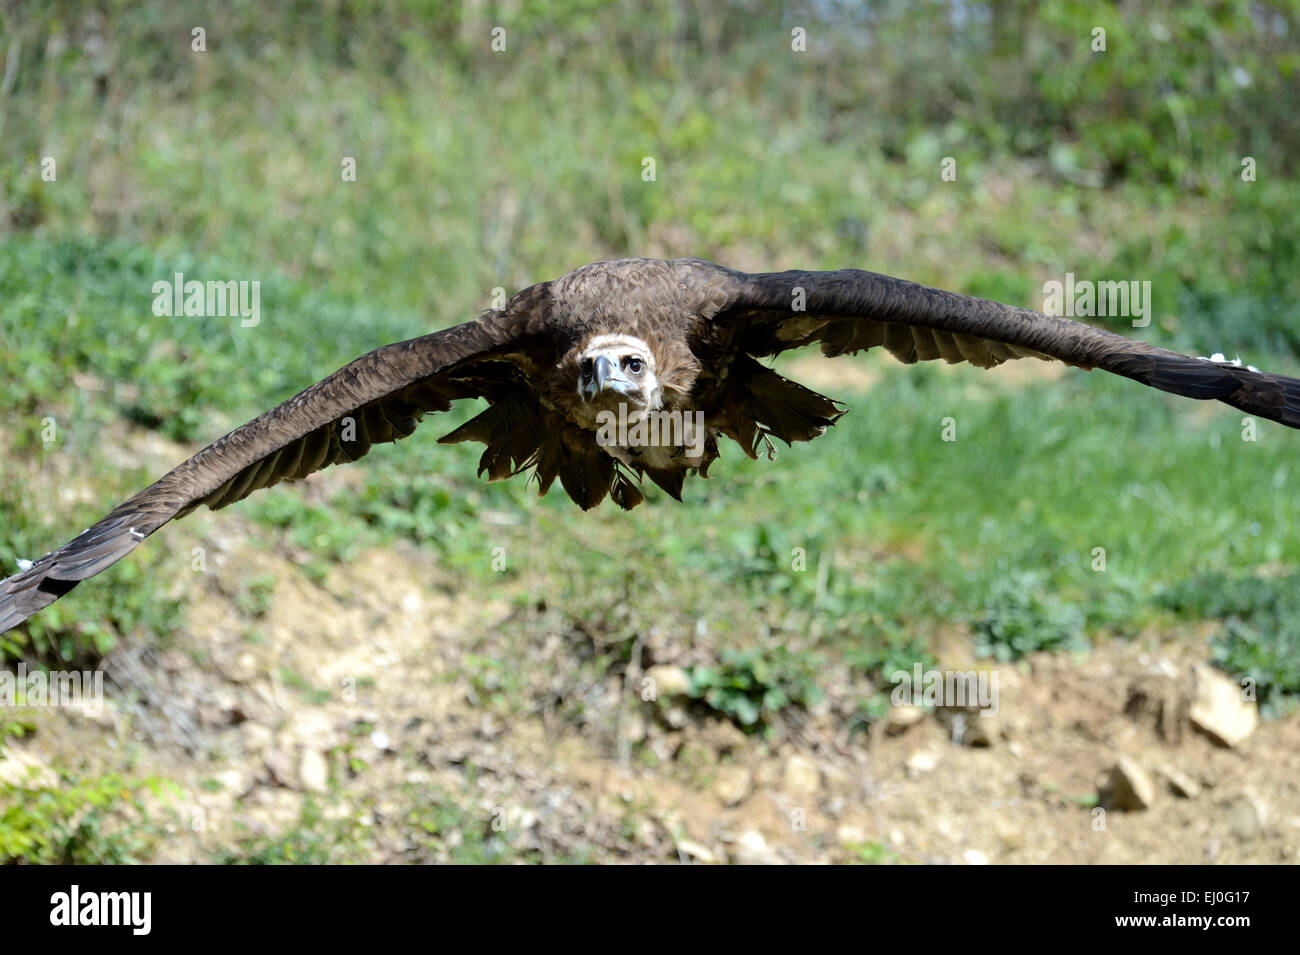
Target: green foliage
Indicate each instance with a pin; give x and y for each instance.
(872, 853)
(1022, 616)
(442, 830)
(1260, 635)
(750, 687)
(888, 653)
(253, 598)
(315, 839)
(100, 820)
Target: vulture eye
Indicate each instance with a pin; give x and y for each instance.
(633, 364)
(586, 367)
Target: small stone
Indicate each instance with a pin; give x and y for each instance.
(312, 726)
(699, 853)
(801, 776)
(232, 781)
(669, 680)
(1246, 818)
(1218, 709)
(902, 718)
(279, 764)
(732, 784)
(676, 716)
(920, 763)
(752, 849)
(313, 771)
(1179, 782)
(1130, 786)
(974, 857)
(256, 737)
(519, 818)
(851, 835)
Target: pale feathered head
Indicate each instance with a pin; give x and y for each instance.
(619, 369)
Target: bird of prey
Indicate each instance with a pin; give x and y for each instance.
(620, 371)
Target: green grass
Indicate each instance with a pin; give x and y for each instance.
(91, 820)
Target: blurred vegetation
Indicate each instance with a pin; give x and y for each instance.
(479, 169)
(751, 687)
(99, 820)
(1260, 633)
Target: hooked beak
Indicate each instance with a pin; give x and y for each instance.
(606, 376)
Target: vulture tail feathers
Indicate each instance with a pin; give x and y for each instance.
(773, 404)
(670, 481)
(586, 475)
(511, 430)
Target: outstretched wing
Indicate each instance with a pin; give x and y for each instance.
(380, 397)
(851, 310)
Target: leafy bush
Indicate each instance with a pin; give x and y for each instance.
(99, 820)
(1024, 616)
(750, 687)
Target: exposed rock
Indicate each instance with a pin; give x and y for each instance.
(801, 777)
(1157, 700)
(232, 781)
(919, 763)
(981, 730)
(1246, 818)
(281, 767)
(967, 726)
(677, 716)
(902, 718)
(752, 849)
(693, 850)
(1129, 787)
(732, 784)
(312, 726)
(851, 835)
(668, 680)
(26, 770)
(255, 737)
(1218, 709)
(518, 818)
(1179, 782)
(313, 770)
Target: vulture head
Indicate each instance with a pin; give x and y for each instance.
(615, 369)
(618, 369)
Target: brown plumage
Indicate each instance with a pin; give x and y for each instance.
(646, 337)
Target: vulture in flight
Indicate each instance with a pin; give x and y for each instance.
(620, 371)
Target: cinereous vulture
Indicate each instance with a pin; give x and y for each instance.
(620, 371)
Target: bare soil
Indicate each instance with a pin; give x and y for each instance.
(375, 678)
